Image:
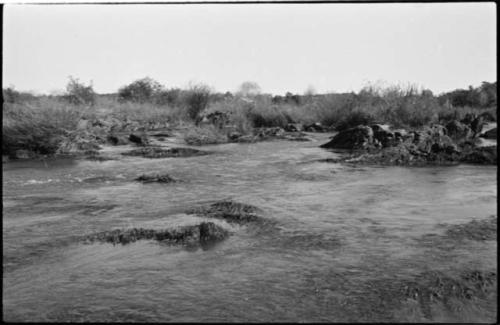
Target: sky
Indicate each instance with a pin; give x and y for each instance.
(281, 47)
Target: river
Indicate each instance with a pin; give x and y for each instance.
(341, 237)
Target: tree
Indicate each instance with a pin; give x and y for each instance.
(196, 99)
(141, 90)
(78, 93)
(249, 89)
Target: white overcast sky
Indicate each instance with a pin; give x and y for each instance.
(332, 47)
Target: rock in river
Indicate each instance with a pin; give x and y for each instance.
(230, 211)
(358, 137)
(160, 152)
(201, 234)
(158, 178)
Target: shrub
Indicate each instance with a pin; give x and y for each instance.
(354, 118)
(142, 90)
(79, 94)
(196, 100)
(168, 97)
(10, 95)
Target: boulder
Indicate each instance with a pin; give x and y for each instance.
(216, 118)
(379, 127)
(294, 127)
(481, 155)
(458, 130)
(139, 139)
(386, 138)
(359, 137)
(158, 178)
(270, 132)
(211, 233)
(491, 134)
(230, 211)
(117, 140)
(432, 138)
(315, 127)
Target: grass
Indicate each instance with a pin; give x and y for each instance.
(40, 127)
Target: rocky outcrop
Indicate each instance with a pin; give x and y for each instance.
(269, 132)
(117, 140)
(359, 137)
(294, 127)
(431, 287)
(230, 211)
(160, 152)
(217, 118)
(315, 127)
(156, 178)
(480, 155)
(458, 130)
(201, 234)
(430, 145)
(384, 138)
(485, 229)
(140, 139)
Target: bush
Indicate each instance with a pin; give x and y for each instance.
(10, 95)
(142, 90)
(354, 118)
(196, 100)
(168, 97)
(79, 94)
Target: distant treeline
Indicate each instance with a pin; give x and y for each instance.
(147, 90)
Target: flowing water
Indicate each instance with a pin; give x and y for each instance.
(341, 239)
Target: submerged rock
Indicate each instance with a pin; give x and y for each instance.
(156, 178)
(201, 234)
(160, 152)
(480, 230)
(230, 211)
(431, 287)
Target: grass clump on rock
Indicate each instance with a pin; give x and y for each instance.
(230, 211)
(485, 229)
(201, 234)
(159, 152)
(158, 178)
